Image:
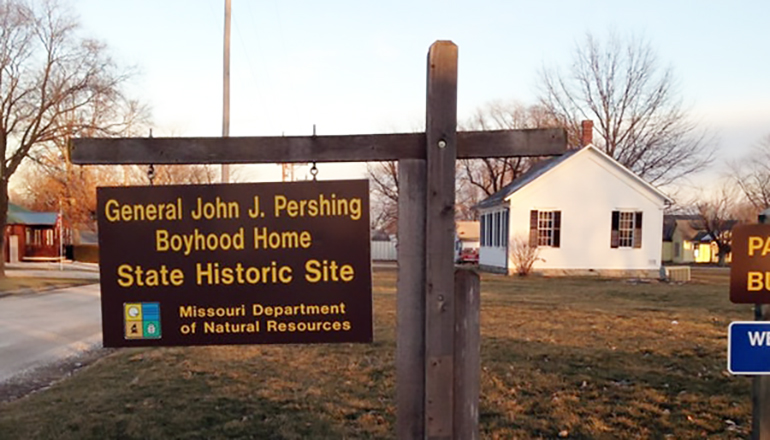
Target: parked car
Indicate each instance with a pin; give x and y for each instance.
(468, 256)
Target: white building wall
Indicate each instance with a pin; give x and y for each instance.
(586, 189)
(492, 256)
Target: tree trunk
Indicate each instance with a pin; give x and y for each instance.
(3, 222)
(721, 262)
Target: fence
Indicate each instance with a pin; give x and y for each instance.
(384, 251)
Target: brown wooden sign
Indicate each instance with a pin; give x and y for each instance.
(235, 264)
(750, 267)
(438, 315)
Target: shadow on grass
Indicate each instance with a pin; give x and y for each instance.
(201, 417)
(189, 394)
(534, 389)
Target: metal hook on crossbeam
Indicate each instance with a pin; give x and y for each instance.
(151, 168)
(151, 173)
(314, 169)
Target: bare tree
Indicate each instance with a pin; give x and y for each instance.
(53, 84)
(717, 213)
(383, 177)
(72, 190)
(490, 175)
(475, 178)
(633, 102)
(185, 174)
(74, 195)
(752, 174)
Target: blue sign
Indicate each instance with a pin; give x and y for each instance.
(748, 347)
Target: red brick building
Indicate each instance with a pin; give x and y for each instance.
(31, 235)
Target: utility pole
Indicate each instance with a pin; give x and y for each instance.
(226, 90)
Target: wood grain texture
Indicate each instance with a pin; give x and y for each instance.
(351, 148)
(441, 154)
(760, 385)
(410, 302)
(467, 382)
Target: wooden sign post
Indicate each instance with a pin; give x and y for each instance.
(760, 389)
(748, 285)
(437, 363)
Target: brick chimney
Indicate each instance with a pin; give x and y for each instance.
(586, 133)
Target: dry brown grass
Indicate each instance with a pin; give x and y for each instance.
(24, 285)
(587, 358)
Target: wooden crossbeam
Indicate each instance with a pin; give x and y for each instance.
(437, 365)
(349, 148)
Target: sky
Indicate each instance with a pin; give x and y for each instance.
(359, 67)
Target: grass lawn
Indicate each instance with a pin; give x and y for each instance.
(575, 358)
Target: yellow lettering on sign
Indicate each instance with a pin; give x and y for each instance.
(757, 281)
(217, 209)
(115, 212)
(323, 206)
(756, 243)
(129, 276)
(754, 282)
(328, 271)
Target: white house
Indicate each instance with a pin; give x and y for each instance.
(586, 214)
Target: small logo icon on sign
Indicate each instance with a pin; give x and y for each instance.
(142, 320)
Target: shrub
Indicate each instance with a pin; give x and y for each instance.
(523, 255)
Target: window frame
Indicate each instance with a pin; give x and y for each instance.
(545, 228)
(626, 229)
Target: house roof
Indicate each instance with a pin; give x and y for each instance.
(87, 237)
(516, 184)
(669, 226)
(691, 227)
(545, 166)
(683, 222)
(22, 216)
(380, 235)
(468, 230)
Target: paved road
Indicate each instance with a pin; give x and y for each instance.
(41, 328)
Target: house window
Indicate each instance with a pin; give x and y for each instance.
(499, 239)
(49, 237)
(545, 228)
(486, 230)
(503, 232)
(494, 229)
(489, 229)
(38, 240)
(626, 229)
